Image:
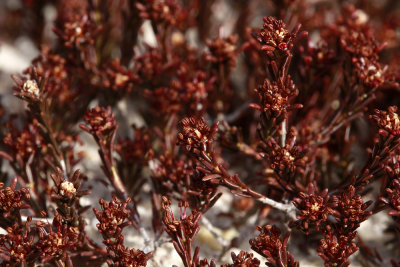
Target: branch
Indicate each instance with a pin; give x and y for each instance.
(289, 209)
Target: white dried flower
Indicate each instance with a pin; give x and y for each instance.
(392, 122)
(288, 156)
(78, 30)
(67, 188)
(360, 17)
(31, 87)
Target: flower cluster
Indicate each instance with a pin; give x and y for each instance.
(18, 246)
(392, 198)
(78, 33)
(314, 209)
(319, 56)
(161, 12)
(350, 210)
(23, 143)
(363, 50)
(275, 97)
(170, 172)
(29, 89)
(243, 259)
(150, 65)
(275, 35)
(286, 159)
(118, 77)
(223, 51)
(66, 194)
(388, 120)
(196, 136)
(113, 218)
(335, 251)
(28, 242)
(182, 232)
(128, 257)
(101, 120)
(12, 200)
(56, 65)
(270, 245)
(54, 244)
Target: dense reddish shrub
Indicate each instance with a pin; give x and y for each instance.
(295, 116)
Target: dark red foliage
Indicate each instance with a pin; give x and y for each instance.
(336, 250)
(287, 120)
(101, 120)
(275, 97)
(18, 245)
(161, 12)
(274, 35)
(392, 198)
(55, 243)
(223, 51)
(388, 120)
(23, 143)
(243, 259)
(113, 218)
(270, 245)
(12, 200)
(196, 135)
(350, 210)
(314, 209)
(182, 232)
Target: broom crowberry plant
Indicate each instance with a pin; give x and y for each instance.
(285, 129)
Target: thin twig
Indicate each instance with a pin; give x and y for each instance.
(283, 133)
(147, 241)
(289, 209)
